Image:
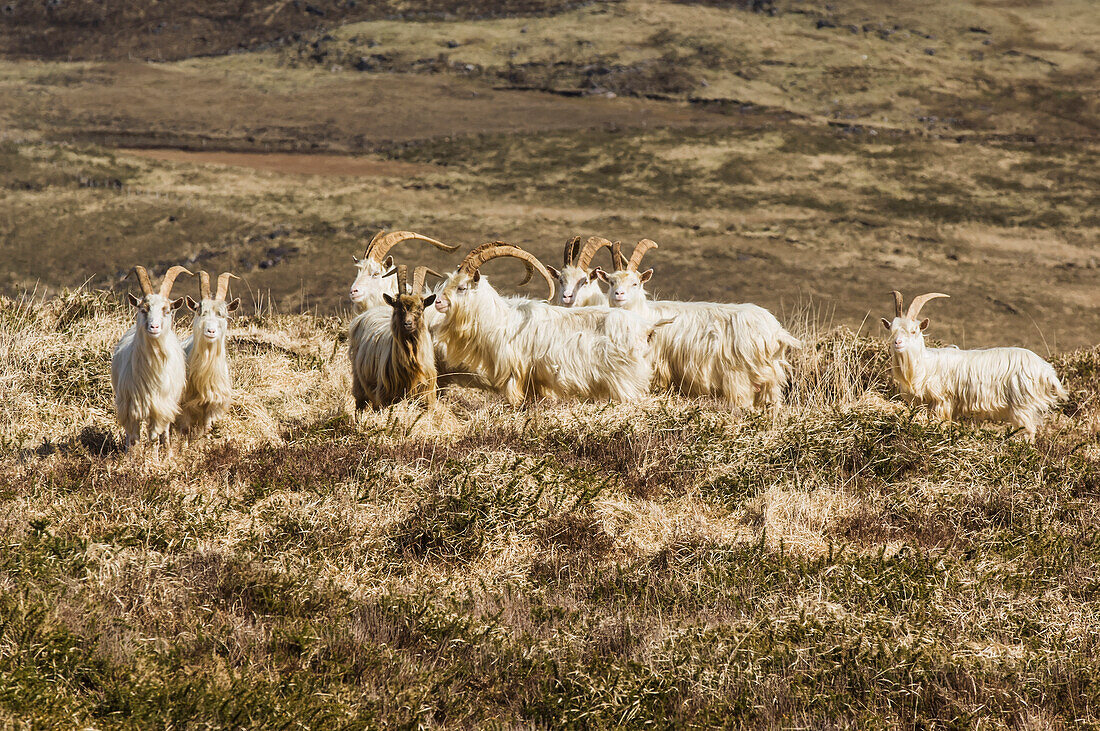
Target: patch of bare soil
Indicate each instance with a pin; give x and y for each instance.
(281, 162)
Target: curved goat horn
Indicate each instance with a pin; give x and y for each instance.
(223, 284)
(204, 285)
(143, 279)
(370, 244)
(474, 261)
(594, 244)
(528, 274)
(640, 251)
(418, 278)
(170, 278)
(898, 303)
(918, 302)
(402, 279)
(571, 247)
(617, 258)
(381, 244)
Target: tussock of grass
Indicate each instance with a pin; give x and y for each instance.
(847, 561)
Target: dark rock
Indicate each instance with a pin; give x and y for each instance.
(825, 23)
(453, 44)
(930, 51)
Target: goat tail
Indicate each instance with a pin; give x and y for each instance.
(1057, 389)
(789, 341)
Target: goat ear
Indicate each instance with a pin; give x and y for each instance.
(601, 275)
(924, 324)
(134, 301)
(355, 258)
(192, 304)
(391, 301)
(646, 275)
(232, 306)
(886, 323)
(387, 264)
(178, 302)
(553, 272)
(477, 276)
(429, 300)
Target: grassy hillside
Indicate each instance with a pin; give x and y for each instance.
(580, 565)
(806, 152)
(775, 217)
(846, 564)
(121, 29)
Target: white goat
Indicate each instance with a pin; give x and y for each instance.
(579, 286)
(148, 371)
(391, 351)
(527, 349)
(370, 281)
(735, 352)
(209, 390)
(1012, 385)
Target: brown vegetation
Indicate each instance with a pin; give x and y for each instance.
(563, 565)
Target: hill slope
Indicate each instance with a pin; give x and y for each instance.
(571, 565)
(127, 29)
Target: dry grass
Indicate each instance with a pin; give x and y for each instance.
(848, 562)
(892, 65)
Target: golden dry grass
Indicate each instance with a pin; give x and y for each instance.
(567, 564)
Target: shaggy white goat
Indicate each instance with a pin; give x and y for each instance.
(1012, 385)
(735, 352)
(579, 286)
(391, 351)
(209, 389)
(370, 281)
(527, 349)
(147, 367)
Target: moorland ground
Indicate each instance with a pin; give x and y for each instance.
(669, 563)
(664, 563)
(809, 153)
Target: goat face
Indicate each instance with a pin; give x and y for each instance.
(624, 285)
(456, 289)
(570, 280)
(211, 317)
(408, 311)
(907, 334)
(154, 313)
(368, 279)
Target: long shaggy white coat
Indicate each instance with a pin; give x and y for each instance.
(527, 349)
(1011, 385)
(148, 374)
(209, 390)
(733, 352)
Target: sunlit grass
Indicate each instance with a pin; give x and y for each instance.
(567, 564)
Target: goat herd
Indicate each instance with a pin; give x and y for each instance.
(583, 344)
